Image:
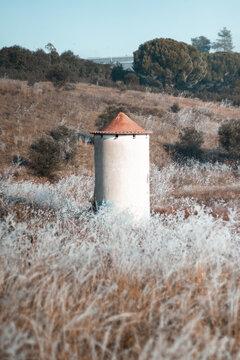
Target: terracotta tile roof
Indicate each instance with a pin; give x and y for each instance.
(122, 125)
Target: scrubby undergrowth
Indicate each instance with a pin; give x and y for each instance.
(74, 285)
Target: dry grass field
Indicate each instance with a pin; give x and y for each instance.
(26, 112)
(77, 285)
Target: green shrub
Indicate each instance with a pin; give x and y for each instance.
(131, 79)
(3, 210)
(190, 137)
(51, 150)
(109, 114)
(66, 139)
(117, 72)
(190, 143)
(45, 155)
(229, 135)
(175, 108)
(58, 75)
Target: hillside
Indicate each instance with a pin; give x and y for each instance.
(80, 285)
(26, 112)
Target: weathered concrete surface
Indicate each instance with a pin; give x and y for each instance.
(122, 172)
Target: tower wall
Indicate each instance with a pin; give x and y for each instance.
(122, 172)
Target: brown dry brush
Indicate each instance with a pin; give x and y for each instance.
(77, 286)
(69, 288)
(105, 314)
(26, 112)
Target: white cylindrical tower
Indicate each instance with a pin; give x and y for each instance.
(122, 166)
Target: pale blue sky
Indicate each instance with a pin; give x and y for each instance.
(95, 28)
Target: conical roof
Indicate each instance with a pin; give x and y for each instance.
(122, 125)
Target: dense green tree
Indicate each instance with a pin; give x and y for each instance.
(170, 62)
(224, 41)
(202, 43)
(223, 70)
(15, 57)
(50, 48)
(69, 59)
(53, 54)
(19, 63)
(118, 72)
(58, 74)
(84, 70)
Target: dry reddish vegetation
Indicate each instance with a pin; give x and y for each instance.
(114, 315)
(74, 285)
(78, 285)
(25, 112)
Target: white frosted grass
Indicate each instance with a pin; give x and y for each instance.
(135, 247)
(130, 246)
(161, 182)
(197, 116)
(167, 243)
(81, 245)
(193, 175)
(67, 195)
(12, 340)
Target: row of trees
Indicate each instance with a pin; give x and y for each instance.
(223, 43)
(33, 66)
(174, 66)
(163, 64)
(166, 63)
(19, 63)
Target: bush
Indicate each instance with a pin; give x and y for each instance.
(109, 114)
(3, 210)
(58, 75)
(117, 72)
(175, 108)
(131, 79)
(190, 144)
(58, 146)
(190, 137)
(45, 155)
(66, 139)
(229, 135)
